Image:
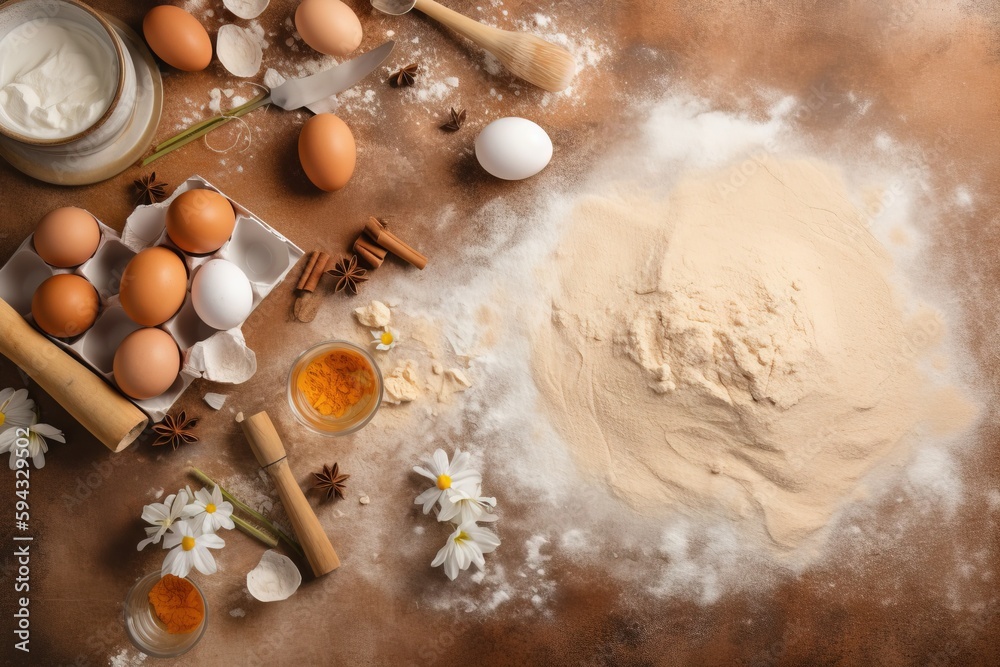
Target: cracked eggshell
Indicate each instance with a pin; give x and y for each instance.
(246, 9)
(238, 50)
(275, 578)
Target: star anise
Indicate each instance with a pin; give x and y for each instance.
(456, 122)
(348, 274)
(176, 430)
(150, 190)
(331, 481)
(404, 77)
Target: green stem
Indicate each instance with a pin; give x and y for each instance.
(202, 128)
(253, 531)
(232, 113)
(208, 481)
(287, 539)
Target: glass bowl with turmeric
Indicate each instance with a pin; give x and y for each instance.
(335, 387)
(165, 616)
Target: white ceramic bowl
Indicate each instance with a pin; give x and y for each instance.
(106, 129)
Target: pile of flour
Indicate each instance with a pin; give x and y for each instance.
(735, 348)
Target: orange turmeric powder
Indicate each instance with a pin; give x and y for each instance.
(337, 382)
(177, 604)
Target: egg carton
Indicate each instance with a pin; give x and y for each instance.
(264, 255)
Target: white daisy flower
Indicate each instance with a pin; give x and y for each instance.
(385, 339)
(460, 506)
(189, 547)
(16, 409)
(36, 447)
(210, 511)
(465, 546)
(161, 516)
(455, 475)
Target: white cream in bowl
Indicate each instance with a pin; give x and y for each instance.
(57, 78)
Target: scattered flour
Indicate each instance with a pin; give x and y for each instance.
(696, 552)
(755, 356)
(127, 657)
(535, 559)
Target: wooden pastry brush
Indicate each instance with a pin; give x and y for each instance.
(531, 58)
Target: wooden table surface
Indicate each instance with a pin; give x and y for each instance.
(932, 74)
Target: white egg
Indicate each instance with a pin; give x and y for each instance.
(221, 294)
(513, 148)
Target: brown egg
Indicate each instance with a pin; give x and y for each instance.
(146, 363)
(178, 38)
(200, 221)
(65, 305)
(67, 237)
(327, 151)
(153, 286)
(329, 26)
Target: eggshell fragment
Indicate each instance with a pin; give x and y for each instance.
(200, 221)
(246, 9)
(177, 38)
(275, 578)
(215, 401)
(65, 305)
(153, 286)
(67, 236)
(146, 363)
(329, 26)
(513, 148)
(238, 50)
(327, 151)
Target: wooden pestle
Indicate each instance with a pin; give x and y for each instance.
(109, 416)
(270, 452)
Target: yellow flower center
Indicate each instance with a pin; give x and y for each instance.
(462, 536)
(210, 508)
(187, 544)
(444, 482)
(387, 338)
(3, 418)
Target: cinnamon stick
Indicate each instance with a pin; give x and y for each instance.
(317, 272)
(373, 254)
(382, 236)
(307, 271)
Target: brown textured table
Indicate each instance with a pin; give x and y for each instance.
(932, 74)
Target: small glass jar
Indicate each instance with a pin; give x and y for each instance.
(147, 631)
(358, 414)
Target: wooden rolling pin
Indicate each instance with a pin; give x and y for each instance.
(112, 418)
(270, 452)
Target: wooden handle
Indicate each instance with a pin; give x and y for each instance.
(483, 35)
(108, 415)
(270, 452)
(529, 57)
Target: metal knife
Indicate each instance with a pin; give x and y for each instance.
(297, 93)
(291, 94)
